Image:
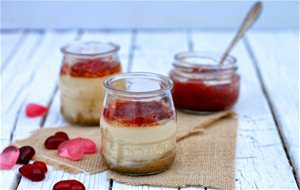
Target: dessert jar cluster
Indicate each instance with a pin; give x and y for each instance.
(138, 124)
(85, 66)
(203, 85)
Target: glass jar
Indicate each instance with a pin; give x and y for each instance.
(203, 85)
(85, 66)
(138, 124)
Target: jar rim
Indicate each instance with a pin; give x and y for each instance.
(112, 48)
(215, 57)
(142, 75)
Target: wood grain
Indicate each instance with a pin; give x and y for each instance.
(154, 51)
(277, 58)
(268, 64)
(8, 96)
(27, 80)
(10, 41)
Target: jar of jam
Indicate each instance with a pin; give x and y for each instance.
(85, 66)
(138, 124)
(203, 85)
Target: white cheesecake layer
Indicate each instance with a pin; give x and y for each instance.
(81, 109)
(82, 88)
(125, 145)
(82, 98)
(138, 135)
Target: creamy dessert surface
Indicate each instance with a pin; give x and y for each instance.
(138, 135)
(128, 145)
(83, 88)
(80, 110)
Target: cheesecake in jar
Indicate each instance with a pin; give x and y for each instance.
(138, 124)
(85, 66)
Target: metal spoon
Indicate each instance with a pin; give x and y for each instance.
(247, 23)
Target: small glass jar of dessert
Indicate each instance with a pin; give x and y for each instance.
(85, 66)
(203, 85)
(138, 124)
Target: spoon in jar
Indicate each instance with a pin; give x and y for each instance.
(247, 23)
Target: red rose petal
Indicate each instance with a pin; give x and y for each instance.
(33, 172)
(41, 165)
(69, 184)
(35, 110)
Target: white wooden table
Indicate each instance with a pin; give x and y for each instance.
(268, 107)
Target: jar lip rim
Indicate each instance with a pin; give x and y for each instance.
(230, 61)
(166, 80)
(114, 48)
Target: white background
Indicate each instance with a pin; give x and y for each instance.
(145, 14)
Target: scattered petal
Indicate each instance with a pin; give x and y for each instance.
(54, 141)
(41, 165)
(69, 184)
(26, 153)
(35, 110)
(72, 149)
(9, 157)
(62, 134)
(89, 146)
(35, 171)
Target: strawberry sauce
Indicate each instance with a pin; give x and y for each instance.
(195, 95)
(91, 68)
(137, 113)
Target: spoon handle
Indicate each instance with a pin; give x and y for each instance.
(248, 21)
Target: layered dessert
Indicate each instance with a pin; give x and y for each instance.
(138, 137)
(81, 87)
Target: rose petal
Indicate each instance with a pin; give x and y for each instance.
(72, 149)
(9, 157)
(89, 146)
(35, 110)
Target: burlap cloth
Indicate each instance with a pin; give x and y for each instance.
(205, 153)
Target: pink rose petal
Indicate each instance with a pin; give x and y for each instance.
(9, 157)
(35, 110)
(89, 146)
(72, 149)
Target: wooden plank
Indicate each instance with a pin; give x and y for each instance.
(54, 118)
(42, 72)
(122, 38)
(26, 79)
(120, 186)
(10, 41)
(11, 86)
(154, 51)
(261, 159)
(277, 57)
(47, 61)
(7, 121)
